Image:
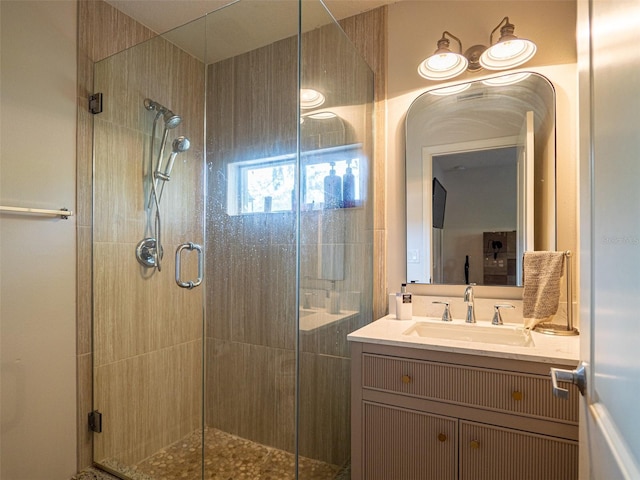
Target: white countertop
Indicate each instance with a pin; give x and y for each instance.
(546, 348)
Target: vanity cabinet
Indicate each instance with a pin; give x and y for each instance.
(425, 414)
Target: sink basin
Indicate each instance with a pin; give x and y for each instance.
(495, 334)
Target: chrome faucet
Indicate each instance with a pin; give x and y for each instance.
(468, 299)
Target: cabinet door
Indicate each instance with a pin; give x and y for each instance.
(488, 452)
(402, 444)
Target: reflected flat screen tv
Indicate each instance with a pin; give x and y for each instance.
(439, 203)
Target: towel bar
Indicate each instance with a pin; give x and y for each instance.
(554, 328)
(62, 213)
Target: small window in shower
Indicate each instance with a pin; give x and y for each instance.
(267, 185)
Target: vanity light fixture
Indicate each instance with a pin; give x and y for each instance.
(508, 52)
(444, 63)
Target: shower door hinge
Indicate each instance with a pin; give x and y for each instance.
(95, 103)
(95, 421)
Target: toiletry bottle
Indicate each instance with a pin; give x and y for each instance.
(332, 303)
(348, 188)
(404, 307)
(332, 189)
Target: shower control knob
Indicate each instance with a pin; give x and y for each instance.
(146, 252)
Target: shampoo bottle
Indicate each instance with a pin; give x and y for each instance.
(404, 307)
(348, 188)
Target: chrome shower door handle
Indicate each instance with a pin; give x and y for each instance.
(189, 246)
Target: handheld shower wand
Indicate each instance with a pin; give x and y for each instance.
(179, 145)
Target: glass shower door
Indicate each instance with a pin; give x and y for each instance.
(147, 231)
(251, 155)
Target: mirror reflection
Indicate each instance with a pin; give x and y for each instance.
(480, 180)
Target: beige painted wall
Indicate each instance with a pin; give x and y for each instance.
(37, 285)
(414, 28)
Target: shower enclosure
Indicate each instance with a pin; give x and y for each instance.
(232, 246)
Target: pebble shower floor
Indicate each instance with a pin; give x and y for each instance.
(227, 457)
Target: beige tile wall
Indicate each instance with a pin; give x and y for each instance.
(368, 32)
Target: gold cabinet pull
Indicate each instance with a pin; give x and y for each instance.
(516, 395)
(406, 379)
(442, 437)
(474, 444)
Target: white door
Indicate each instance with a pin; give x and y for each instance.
(610, 237)
(525, 158)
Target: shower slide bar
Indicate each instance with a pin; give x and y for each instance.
(62, 213)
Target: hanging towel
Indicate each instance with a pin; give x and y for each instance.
(542, 273)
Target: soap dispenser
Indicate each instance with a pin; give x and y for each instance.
(404, 307)
(332, 189)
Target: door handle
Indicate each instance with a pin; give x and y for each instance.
(577, 377)
(189, 246)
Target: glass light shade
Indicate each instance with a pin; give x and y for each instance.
(310, 98)
(443, 65)
(507, 53)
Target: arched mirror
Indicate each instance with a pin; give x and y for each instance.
(480, 179)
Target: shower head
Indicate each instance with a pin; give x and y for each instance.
(171, 120)
(181, 144)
